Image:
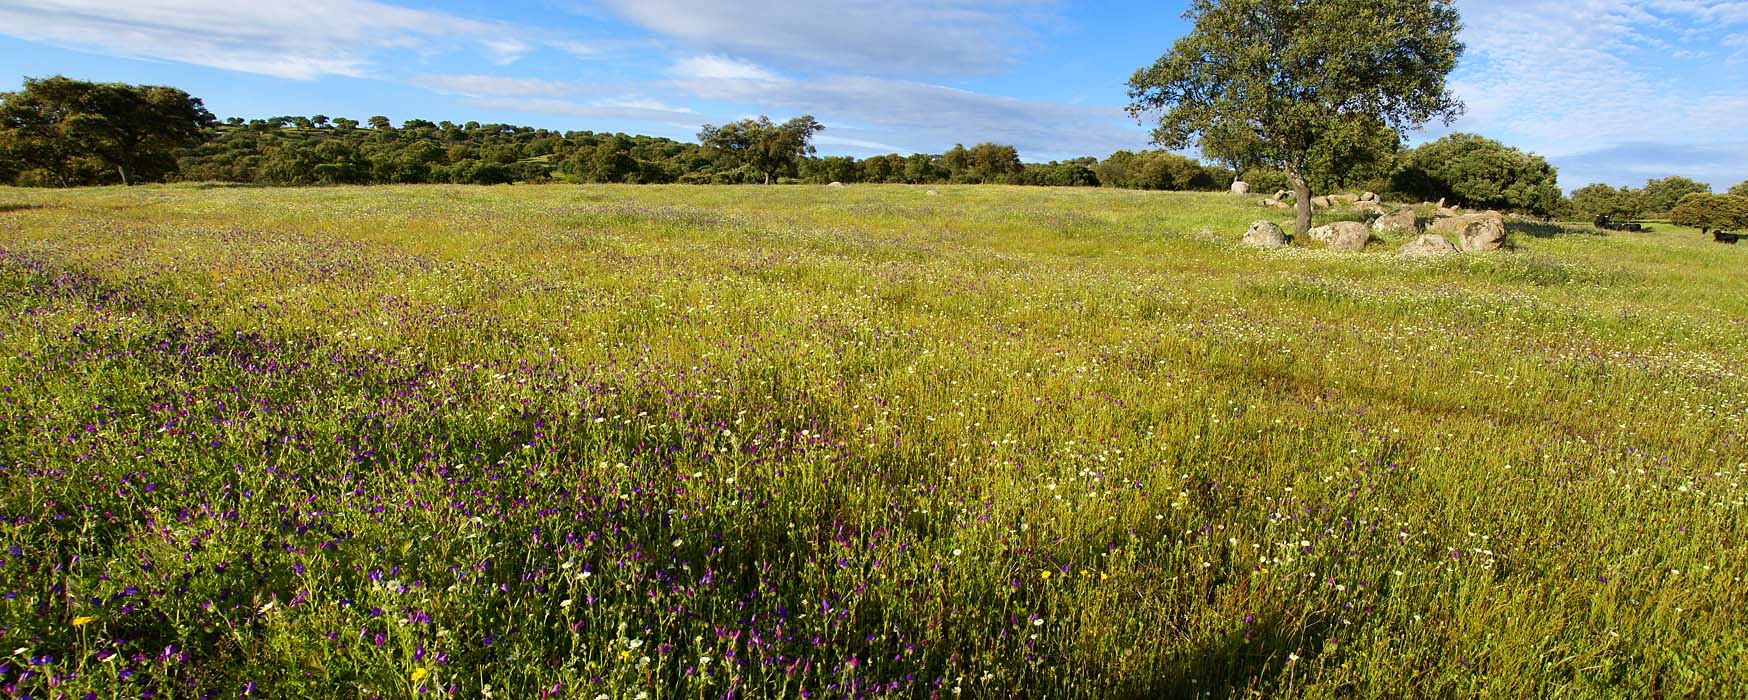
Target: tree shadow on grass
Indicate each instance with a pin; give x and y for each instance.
(1254, 659)
(1537, 229)
(6, 207)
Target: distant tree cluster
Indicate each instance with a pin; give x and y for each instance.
(1710, 212)
(1479, 173)
(63, 132)
(1656, 200)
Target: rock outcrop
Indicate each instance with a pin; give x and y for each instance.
(1473, 233)
(1427, 246)
(1342, 235)
(1404, 220)
(1265, 234)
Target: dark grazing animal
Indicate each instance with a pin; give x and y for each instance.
(1726, 237)
(1603, 222)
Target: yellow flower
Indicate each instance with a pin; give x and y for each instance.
(1044, 575)
(1104, 576)
(83, 620)
(419, 674)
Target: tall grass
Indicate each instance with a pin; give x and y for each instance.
(676, 442)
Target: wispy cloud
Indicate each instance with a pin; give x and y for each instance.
(883, 37)
(301, 40)
(922, 116)
(720, 68)
(1590, 83)
(475, 85)
(638, 110)
(1721, 164)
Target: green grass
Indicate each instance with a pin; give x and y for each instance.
(571, 441)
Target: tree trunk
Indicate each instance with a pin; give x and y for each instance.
(1301, 201)
(767, 178)
(123, 173)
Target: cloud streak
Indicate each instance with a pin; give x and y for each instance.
(922, 116)
(1590, 83)
(299, 41)
(882, 37)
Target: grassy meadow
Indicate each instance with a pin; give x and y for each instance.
(803, 442)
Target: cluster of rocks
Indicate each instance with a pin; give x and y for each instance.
(1368, 202)
(1448, 233)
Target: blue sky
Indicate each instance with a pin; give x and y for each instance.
(1614, 91)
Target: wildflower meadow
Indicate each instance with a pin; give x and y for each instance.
(863, 442)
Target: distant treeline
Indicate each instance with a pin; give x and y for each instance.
(319, 150)
(59, 132)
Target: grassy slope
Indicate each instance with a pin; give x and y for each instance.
(1022, 442)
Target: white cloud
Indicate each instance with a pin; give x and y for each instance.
(616, 109)
(1721, 164)
(301, 40)
(720, 68)
(496, 86)
(873, 36)
(642, 103)
(925, 117)
(1576, 79)
(585, 50)
(871, 147)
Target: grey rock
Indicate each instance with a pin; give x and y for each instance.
(1473, 232)
(1240, 187)
(1342, 235)
(1399, 220)
(1428, 246)
(1265, 234)
(836, 184)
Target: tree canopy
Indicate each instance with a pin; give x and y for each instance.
(766, 147)
(1710, 212)
(73, 131)
(1481, 173)
(1591, 201)
(1293, 77)
(1662, 195)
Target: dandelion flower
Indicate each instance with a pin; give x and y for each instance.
(83, 620)
(419, 674)
(1044, 575)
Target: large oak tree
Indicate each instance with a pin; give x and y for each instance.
(764, 146)
(59, 124)
(1294, 75)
